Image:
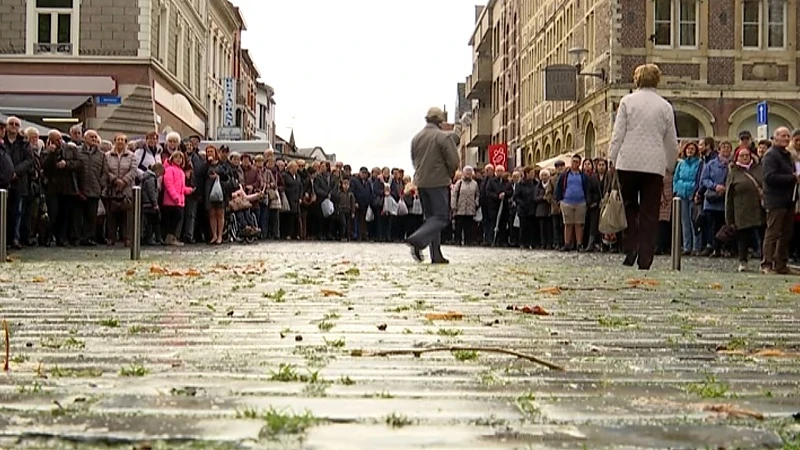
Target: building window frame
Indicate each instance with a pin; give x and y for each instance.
(32, 13)
(675, 23)
(764, 24)
(163, 33)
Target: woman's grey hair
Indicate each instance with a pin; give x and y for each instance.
(234, 155)
(173, 136)
(31, 130)
(468, 169)
(544, 172)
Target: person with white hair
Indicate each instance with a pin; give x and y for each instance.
(91, 185)
(464, 198)
(76, 135)
(61, 167)
(543, 220)
(172, 144)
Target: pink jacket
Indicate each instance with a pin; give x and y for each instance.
(175, 189)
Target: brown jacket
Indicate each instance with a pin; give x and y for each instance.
(435, 157)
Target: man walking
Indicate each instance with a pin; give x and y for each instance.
(780, 182)
(435, 158)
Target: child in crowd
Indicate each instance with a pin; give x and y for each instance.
(150, 211)
(346, 211)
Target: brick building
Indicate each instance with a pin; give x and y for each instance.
(117, 65)
(719, 58)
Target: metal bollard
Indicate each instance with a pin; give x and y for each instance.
(677, 238)
(136, 231)
(3, 225)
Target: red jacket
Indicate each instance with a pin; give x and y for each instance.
(175, 190)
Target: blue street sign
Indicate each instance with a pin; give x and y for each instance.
(103, 100)
(762, 113)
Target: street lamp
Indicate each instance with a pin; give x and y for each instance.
(578, 56)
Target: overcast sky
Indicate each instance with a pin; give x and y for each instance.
(355, 77)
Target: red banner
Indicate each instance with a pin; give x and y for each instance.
(498, 155)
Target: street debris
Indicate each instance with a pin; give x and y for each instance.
(449, 315)
(419, 351)
(536, 310)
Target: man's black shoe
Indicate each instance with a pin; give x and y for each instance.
(441, 261)
(416, 253)
(630, 260)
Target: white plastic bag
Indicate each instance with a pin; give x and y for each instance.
(216, 194)
(478, 217)
(402, 209)
(327, 208)
(416, 208)
(516, 221)
(370, 215)
(390, 205)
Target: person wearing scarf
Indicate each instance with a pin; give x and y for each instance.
(743, 202)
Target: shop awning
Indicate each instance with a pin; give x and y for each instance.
(41, 105)
(551, 163)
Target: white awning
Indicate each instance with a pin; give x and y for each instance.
(551, 163)
(41, 105)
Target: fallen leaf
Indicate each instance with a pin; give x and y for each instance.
(555, 290)
(725, 351)
(155, 269)
(449, 315)
(795, 289)
(175, 273)
(733, 411)
(382, 327)
(5, 280)
(715, 286)
(775, 353)
(298, 338)
(192, 273)
(38, 279)
(331, 293)
(539, 311)
(130, 272)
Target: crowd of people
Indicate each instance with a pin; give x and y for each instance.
(77, 190)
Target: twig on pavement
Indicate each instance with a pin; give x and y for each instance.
(417, 352)
(8, 345)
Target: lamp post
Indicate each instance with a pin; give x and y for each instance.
(578, 56)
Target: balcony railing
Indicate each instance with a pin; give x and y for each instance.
(47, 47)
(480, 128)
(481, 79)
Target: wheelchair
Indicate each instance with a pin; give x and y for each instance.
(235, 228)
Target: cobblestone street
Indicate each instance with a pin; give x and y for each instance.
(272, 346)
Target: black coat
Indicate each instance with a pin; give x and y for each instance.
(362, 190)
(62, 181)
(293, 188)
(494, 188)
(325, 186)
(779, 179)
(525, 198)
(23, 165)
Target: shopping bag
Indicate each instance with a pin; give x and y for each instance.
(416, 208)
(516, 221)
(612, 211)
(402, 209)
(327, 208)
(390, 205)
(285, 206)
(478, 217)
(370, 215)
(216, 194)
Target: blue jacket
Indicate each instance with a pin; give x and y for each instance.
(684, 181)
(715, 172)
(561, 186)
(362, 191)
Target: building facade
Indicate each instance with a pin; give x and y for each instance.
(246, 118)
(223, 48)
(719, 59)
(126, 66)
(265, 112)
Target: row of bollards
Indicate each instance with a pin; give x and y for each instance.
(136, 231)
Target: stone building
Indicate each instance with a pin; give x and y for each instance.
(265, 104)
(225, 26)
(127, 66)
(719, 58)
(246, 96)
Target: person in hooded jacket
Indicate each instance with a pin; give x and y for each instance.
(525, 199)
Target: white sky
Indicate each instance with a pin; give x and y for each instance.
(355, 77)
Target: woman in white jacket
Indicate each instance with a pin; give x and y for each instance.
(643, 145)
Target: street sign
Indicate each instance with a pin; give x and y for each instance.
(560, 83)
(498, 155)
(762, 132)
(762, 113)
(229, 102)
(229, 134)
(105, 100)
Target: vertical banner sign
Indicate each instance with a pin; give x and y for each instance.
(498, 155)
(762, 119)
(229, 103)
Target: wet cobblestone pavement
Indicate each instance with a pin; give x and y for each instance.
(271, 346)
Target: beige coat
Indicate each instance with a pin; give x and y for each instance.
(122, 166)
(644, 137)
(464, 197)
(435, 157)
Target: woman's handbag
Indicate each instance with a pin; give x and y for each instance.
(726, 234)
(612, 210)
(216, 194)
(239, 204)
(370, 215)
